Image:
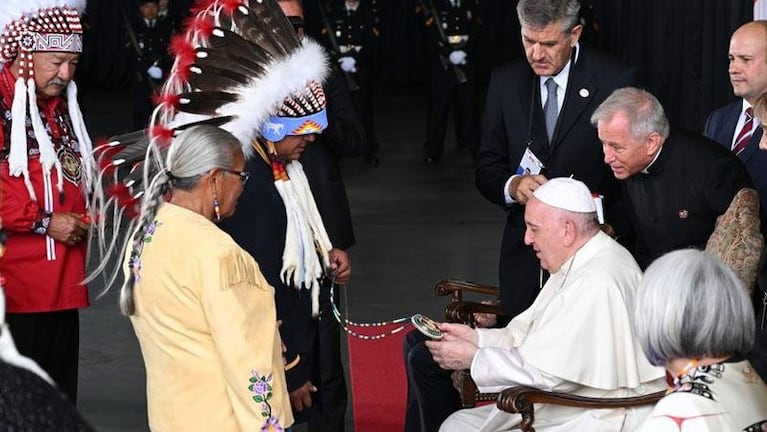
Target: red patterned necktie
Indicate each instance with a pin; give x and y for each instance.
(745, 133)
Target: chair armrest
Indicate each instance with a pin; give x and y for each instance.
(455, 288)
(463, 311)
(520, 400)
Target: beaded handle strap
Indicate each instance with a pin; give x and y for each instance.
(346, 324)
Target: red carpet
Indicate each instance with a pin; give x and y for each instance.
(379, 387)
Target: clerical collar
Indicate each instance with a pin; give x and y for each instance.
(646, 169)
(352, 6)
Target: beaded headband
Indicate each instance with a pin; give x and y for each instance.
(302, 113)
(52, 29)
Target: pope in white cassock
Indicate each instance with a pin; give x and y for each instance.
(575, 338)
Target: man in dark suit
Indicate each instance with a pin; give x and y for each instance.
(515, 135)
(515, 128)
(344, 136)
(735, 127)
(748, 76)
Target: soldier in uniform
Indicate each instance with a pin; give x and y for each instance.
(149, 37)
(355, 24)
(453, 27)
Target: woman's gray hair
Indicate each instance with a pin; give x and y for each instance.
(690, 305)
(537, 14)
(643, 111)
(191, 155)
(196, 151)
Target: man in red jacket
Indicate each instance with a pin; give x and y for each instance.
(45, 163)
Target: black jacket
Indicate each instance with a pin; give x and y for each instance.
(513, 114)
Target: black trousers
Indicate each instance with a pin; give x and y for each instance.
(431, 397)
(328, 410)
(444, 92)
(52, 339)
(142, 94)
(363, 105)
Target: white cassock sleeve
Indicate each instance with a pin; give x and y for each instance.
(494, 369)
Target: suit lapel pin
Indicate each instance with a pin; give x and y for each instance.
(584, 93)
(683, 214)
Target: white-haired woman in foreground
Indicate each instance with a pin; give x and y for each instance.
(693, 316)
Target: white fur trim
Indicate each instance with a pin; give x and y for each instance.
(48, 158)
(18, 160)
(81, 133)
(301, 267)
(265, 95)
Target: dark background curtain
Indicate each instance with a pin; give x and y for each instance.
(679, 46)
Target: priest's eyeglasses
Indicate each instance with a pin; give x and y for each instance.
(244, 175)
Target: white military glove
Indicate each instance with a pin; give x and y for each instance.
(154, 72)
(348, 64)
(458, 57)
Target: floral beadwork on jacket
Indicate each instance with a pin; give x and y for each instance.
(262, 392)
(135, 257)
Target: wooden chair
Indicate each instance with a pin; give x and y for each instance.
(736, 240)
(521, 400)
(459, 311)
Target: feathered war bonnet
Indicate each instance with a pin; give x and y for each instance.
(238, 65)
(30, 26)
(241, 66)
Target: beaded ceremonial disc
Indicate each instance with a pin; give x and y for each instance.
(427, 326)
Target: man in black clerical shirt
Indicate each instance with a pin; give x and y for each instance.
(677, 184)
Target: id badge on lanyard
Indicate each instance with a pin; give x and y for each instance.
(529, 164)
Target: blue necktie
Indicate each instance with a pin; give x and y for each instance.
(551, 109)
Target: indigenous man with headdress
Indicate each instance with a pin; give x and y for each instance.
(241, 66)
(44, 168)
(277, 221)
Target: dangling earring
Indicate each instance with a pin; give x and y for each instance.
(216, 208)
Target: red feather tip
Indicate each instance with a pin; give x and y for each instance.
(181, 76)
(201, 5)
(168, 99)
(200, 24)
(181, 47)
(105, 157)
(161, 133)
(228, 6)
(121, 193)
(101, 142)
